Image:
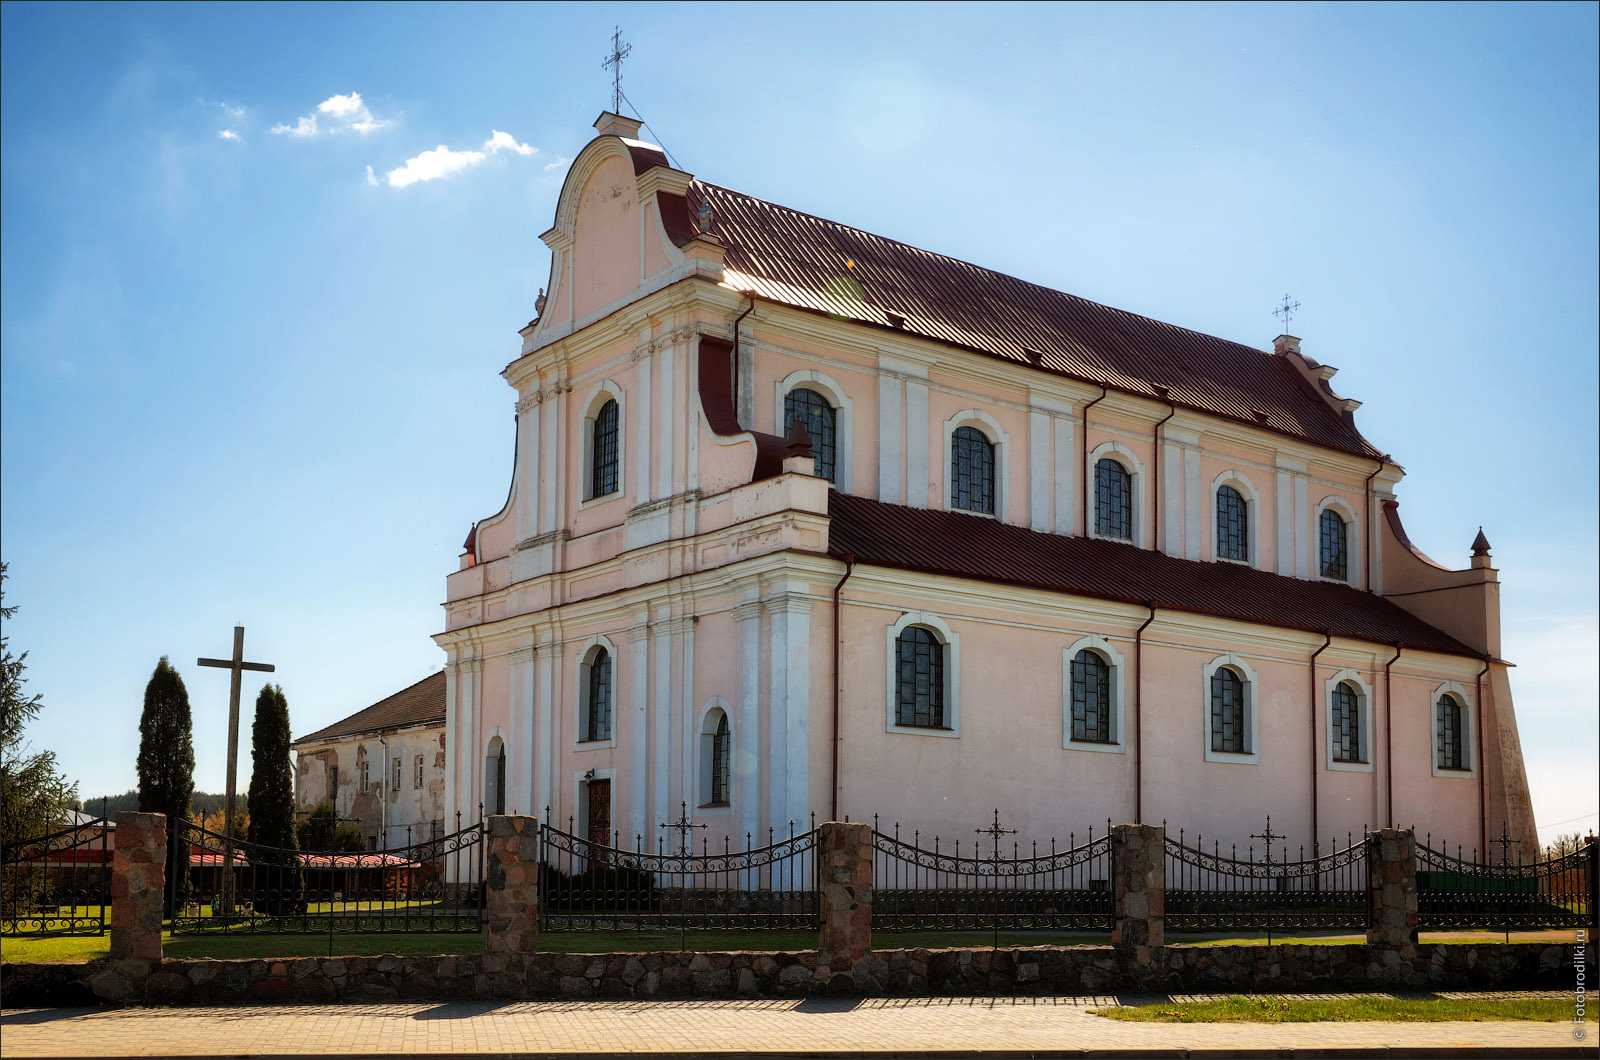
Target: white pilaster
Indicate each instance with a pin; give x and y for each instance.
(1302, 531)
(791, 660)
(1283, 516)
(1066, 478)
(666, 424)
(1171, 498)
(470, 754)
(747, 766)
(452, 735)
(529, 745)
(1194, 507)
(891, 438)
(917, 477)
(746, 368)
(661, 726)
(1039, 476)
(777, 713)
(640, 464)
(637, 733)
(548, 662)
(688, 714)
(551, 456)
(527, 485)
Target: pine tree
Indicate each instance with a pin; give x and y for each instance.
(34, 796)
(166, 768)
(271, 778)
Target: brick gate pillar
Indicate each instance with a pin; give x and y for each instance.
(138, 886)
(511, 892)
(1139, 888)
(1392, 891)
(845, 878)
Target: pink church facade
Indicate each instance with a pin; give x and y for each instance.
(1031, 553)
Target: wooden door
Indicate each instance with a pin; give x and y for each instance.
(600, 816)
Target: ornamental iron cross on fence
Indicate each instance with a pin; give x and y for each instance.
(682, 826)
(237, 665)
(1269, 836)
(1505, 842)
(994, 832)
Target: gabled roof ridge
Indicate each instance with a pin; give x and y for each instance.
(983, 268)
(424, 710)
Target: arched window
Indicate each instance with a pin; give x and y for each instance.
(919, 673)
(813, 410)
(597, 697)
(971, 470)
(1233, 525)
(494, 777)
(1333, 553)
(1091, 698)
(1452, 736)
(1113, 499)
(1345, 723)
(716, 759)
(1229, 723)
(604, 452)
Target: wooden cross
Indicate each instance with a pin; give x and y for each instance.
(619, 52)
(1505, 842)
(1269, 835)
(237, 665)
(994, 832)
(1286, 311)
(683, 826)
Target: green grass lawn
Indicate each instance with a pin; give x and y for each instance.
(1239, 1009)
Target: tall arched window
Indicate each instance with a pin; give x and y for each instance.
(1345, 723)
(920, 678)
(604, 454)
(1233, 525)
(721, 759)
(1113, 499)
(597, 698)
(494, 777)
(1333, 556)
(1229, 725)
(1452, 736)
(1091, 698)
(971, 471)
(813, 410)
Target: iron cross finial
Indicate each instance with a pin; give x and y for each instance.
(1505, 842)
(994, 832)
(619, 52)
(683, 826)
(1269, 836)
(1285, 311)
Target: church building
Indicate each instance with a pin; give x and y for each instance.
(805, 520)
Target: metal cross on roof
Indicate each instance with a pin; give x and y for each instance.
(1269, 836)
(619, 52)
(1286, 311)
(994, 832)
(683, 826)
(1505, 842)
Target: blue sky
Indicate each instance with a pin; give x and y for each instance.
(244, 381)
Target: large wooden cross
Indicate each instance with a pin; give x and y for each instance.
(238, 666)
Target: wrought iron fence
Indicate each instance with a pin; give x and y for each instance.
(948, 887)
(58, 883)
(1459, 891)
(1217, 890)
(434, 886)
(585, 885)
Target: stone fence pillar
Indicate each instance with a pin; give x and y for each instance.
(511, 892)
(1139, 888)
(1392, 891)
(845, 863)
(138, 886)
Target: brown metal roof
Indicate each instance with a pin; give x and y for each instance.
(970, 546)
(796, 259)
(423, 702)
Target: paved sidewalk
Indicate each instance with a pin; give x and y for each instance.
(812, 1027)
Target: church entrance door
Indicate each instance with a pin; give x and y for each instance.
(600, 816)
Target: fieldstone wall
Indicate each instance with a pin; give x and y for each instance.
(511, 891)
(1139, 886)
(845, 851)
(138, 884)
(886, 973)
(1392, 885)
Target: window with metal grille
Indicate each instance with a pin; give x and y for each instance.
(1333, 561)
(813, 410)
(1345, 724)
(1091, 698)
(720, 760)
(1452, 738)
(597, 708)
(920, 677)
(1113, 500)
(1233, 525)
(603, 473)
(1228, 721)
(971, 471)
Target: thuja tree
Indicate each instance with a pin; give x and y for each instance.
(166, 768)
(279, 884)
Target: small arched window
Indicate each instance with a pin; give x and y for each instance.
(1091, 698)
(1233, 525)
(971, 471)
(1229, 724)
(812, 409)
(597, 697)
(1333, 556)
(919, 673)
(1452, 736)
(1113, 499)
(604, 450)
(716, 751)
(1345, 723)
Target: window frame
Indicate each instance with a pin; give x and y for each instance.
(1121, 454)
(1363, 718)
(976, 445)
(420, 765)
(1252, 756)
(705, 741)
(495, 785)
(1101, 646)
(1354, 572)
(607, 390)
(1252, 517)
(997, 437)
(1469, 732)
(586, 657)
(952, 674)
(399, 771)
(843, 419)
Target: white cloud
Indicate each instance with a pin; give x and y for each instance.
(372, 177)
(343, 113)
(231, 111)
(228, 134)
(431, 165)
(508, 142)
(557, 164)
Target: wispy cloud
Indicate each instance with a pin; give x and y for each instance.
(231, 111)
(341, 114)
(443, 162)
(228, 134)
(372, 178)
(558, 164)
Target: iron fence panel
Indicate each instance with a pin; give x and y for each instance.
(58, 883)
(1218, 890)
(434, 886)
(1456, 891)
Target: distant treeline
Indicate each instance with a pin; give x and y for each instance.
(129, 800)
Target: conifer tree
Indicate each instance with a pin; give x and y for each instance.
(271, 778)
(166, 768)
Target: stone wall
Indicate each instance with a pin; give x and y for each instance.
(1020, 970)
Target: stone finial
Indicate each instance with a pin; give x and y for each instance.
(611, 123)
(705, 217)
(1285, 344)
(538, 303)
(1480, 544)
